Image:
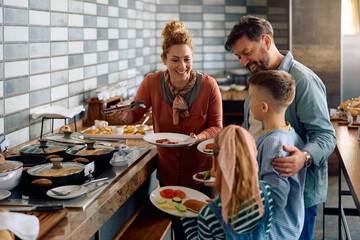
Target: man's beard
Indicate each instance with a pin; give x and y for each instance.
(262, 64)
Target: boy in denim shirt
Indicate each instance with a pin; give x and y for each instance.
(270, 93)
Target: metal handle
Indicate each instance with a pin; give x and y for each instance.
(95, 181)
(132, 106)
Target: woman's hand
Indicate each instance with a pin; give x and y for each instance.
(126, 117)
(198, 138)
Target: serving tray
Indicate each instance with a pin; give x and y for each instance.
(115, 136)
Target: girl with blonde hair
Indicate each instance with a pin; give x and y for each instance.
(243, 209)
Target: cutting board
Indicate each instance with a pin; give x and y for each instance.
(48, 219)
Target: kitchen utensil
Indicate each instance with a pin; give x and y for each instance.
(43, 148)
(98, 154)
(119, 159)
(28, 160)
(56, 169)
(132, 106)
(35, 208)
(95, 181)
(79, 191)
(97, 186)
(67, 138)
(145, 120)
(45, 176)
(69, 190)
(64, 192)
(10, 174)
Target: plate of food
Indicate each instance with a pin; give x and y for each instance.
(204, 177)
(169, 139)
(206, 146)
(178, 201)
(118, 132)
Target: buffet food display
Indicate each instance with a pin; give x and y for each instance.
(349, 112)
(351, 106)
(121, 132)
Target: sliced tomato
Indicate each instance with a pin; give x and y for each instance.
(167, 193)
(209, 146)
(180, 194)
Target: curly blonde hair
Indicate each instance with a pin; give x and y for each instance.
(243, 182)
(175, 33)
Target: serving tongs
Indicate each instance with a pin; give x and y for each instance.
(132, 106)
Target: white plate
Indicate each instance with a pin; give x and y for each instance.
(74, 194)
(190, 194)
(210, 180)
(201, 146)
(4, 194)
(182, 139)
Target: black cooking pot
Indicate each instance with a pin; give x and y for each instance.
(28, 160)
(100, 155)
(43, 149)
(45, 176)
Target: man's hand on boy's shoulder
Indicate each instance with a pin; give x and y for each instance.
(290, 165)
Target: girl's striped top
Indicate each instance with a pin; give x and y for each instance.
(206, 226)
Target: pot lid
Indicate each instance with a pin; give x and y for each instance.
(56, 168)
(42, 148)
(68, 138)
(90, 149)
(10, 166)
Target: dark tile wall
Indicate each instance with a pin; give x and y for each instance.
(58, 52)
(316, 42)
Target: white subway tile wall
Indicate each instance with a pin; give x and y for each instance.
(58, 52)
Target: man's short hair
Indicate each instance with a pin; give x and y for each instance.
(279, 86)
(253, 27)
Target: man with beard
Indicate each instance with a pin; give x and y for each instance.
(251, 40)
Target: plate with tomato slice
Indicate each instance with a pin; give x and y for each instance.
(169, 193)
(206, 146)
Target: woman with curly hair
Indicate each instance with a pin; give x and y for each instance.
(183, 101)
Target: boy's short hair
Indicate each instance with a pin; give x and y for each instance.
(279, 85)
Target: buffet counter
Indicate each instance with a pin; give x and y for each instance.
(85, 224)
(114, 206)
